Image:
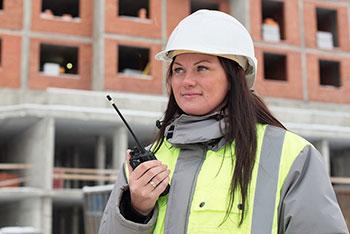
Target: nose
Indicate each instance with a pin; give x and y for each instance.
(189, 80)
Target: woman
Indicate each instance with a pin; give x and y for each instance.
(232, 167)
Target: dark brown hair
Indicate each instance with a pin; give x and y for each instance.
(244, 109)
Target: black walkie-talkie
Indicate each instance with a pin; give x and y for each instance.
(139, 154)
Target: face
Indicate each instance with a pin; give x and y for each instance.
(199, 83)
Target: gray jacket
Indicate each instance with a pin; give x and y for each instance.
(307, 201)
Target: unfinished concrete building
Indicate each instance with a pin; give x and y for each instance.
(59, 58)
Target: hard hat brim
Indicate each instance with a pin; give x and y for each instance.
(247, 64)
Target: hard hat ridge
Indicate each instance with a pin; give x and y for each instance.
(215, 33)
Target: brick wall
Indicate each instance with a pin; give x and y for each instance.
(316, 91)
(117, 81)
(81, 26)
(291, 22)
(298, 45)
(292, 87)
(295, 49)
(179, 9)
(134, 26)
(10, 61)
(12, 14)
(326, 93)
(310, 22)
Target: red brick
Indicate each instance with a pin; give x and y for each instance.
(132, 25)
(183, 9)
(255, 22)
(10, 66)
(82, 27)
(310, 25)
(12, 14)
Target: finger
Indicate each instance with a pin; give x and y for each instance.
(128, 156)
(161, 186)
(157, 179)
(146, 184)
(127, 159)
(144, 167)
(152, 174)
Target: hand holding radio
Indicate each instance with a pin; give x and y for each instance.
(139, 155)
(146, 182)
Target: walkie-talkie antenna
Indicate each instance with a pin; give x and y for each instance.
(127, 125)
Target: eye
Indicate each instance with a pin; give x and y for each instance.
(202, 68)
(178, 70)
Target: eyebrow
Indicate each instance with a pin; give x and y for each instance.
(201, 61)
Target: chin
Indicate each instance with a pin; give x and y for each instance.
(196, 112)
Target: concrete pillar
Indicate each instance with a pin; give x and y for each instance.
(323, 147)
(240, 10)
(35, 146)
(25, 51)
(120, 145)
(23, 212)
(304, 68)
(101, 155)
(98, 46)
(46, 215)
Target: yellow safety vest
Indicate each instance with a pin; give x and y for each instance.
(210, 198)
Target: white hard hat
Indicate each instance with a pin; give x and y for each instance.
(215, 33)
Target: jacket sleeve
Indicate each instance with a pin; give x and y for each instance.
(113, 222)
(308, 203)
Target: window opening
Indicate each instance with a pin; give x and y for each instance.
(340, 163)
(203, 4)
(56, 60)
(339, 160)
(135, 8)
(69, 219)
(67, 9)
(12, 170)
(275, 67)
(74, 166)
(329, 73)
(13, 167)
(273, 20)
(1, 5)
(133, 60)
(327, 32)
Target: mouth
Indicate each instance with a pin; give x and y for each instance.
(190, 94)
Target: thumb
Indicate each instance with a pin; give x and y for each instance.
(127, 161)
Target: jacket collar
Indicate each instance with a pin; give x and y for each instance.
(187, 129)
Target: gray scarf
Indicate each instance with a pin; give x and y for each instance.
(188, 129)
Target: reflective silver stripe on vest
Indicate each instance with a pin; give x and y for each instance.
(267, 180)
(182, 188)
